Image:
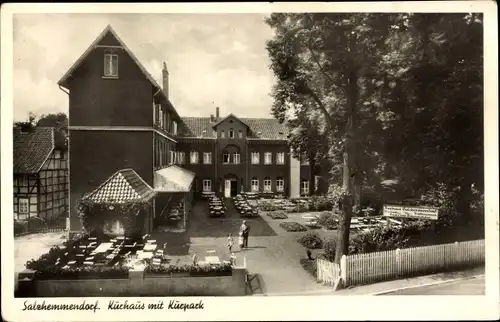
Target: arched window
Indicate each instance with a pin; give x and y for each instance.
(231, 154)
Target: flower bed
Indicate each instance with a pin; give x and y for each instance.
(224, 269)
(292, 226)
(311, 241)
(278, 215)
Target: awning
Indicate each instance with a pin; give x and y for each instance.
(173, 179)
(122, 187)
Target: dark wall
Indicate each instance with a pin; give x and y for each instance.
(273, 170)
(203, 171)
(98, 154)
(98, 101)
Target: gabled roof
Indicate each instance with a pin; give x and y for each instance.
(173, 179)
(32, 149)
(107, 30)
(123, 186)
(227, 117)
(259, 128)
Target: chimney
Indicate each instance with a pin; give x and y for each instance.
(165, 79)
(216, 112)
(212, 118)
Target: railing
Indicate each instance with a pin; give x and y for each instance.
(402, 263)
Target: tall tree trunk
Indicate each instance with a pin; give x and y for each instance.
(342, 247)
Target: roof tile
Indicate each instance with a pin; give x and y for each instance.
(260, 128)
(31, 149)
(123, 186)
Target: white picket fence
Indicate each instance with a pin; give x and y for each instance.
(327, 272)
(402, 263)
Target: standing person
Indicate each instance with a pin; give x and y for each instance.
(240, 240)
(245, 229)
(230, 242)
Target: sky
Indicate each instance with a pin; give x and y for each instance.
(213, 59)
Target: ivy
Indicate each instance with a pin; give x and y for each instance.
(94, 215)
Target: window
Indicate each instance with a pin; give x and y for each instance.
(231, 134)
(280, 184)
(240, 134)
(156, 113)
(267, 184)
(207, 185)
(172, 157)
(110, 65)
(222, 134)
(162, 119)
(255, 184)
(255, 158)
(24, 205)
(181, 158)
(280, 158)
(193, 157)
(236, 158)
(304, 187)
(268, 158)
(207, 157)
(225, 158)
(174, 127)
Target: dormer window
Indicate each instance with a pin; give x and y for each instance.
(110, 64)
(231, 134)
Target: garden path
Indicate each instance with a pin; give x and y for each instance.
(272, 257)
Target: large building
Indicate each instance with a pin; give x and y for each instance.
(121, 118)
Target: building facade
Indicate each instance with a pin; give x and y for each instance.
(40, 176)
(121, 118)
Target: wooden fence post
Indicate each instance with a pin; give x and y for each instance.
(343, 272)
(398, 262)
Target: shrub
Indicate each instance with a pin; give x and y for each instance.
(328, 220)
(253, 214)
(301, 207)
(292, 226)
(311, 241)
(309, 266)
(278, 215)
(320, 203)
(329, 248)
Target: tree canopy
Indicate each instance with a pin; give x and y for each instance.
(392, 96)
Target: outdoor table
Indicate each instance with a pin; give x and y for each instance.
(89, 258)
(149, 247)
(88, 263)
(212, 259)
(71, 262)
(82, 247)
(120, 238)
(151, 241)
(102, 248)
(92, 238)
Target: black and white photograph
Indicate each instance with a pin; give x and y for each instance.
(179, 156)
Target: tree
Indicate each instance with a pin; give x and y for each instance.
(60, 122)
(27, 125)
(388, 89)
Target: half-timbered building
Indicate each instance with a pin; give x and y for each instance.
(40, 175)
